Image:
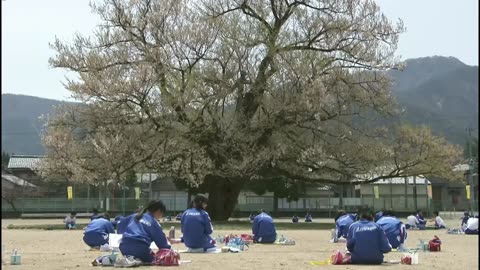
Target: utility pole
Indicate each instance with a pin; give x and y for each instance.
(470, 171)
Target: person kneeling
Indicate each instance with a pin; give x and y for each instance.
(394, 229)
(71, 221)
(472, 225)
(366, 240)
(264, 229)
(97, 231)
(342, 223)
(141, 231)
(197, 227)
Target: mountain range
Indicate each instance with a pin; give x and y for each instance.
(441, 92)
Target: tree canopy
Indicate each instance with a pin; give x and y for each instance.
(224, 93)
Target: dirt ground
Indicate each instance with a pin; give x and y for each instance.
(57, 249)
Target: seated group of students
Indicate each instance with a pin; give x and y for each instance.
(372, 236)
(139, 230)
(308, 217)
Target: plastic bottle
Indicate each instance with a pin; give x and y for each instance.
(171, 233)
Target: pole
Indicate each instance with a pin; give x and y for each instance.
(123, 204)
(88, 197)
(415, 193)
(391, 194)
(470, 171)
(406, 193)
(150, 187)
(426, 195)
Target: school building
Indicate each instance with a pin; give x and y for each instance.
(399, 194)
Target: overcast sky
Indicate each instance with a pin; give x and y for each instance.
(434, 27)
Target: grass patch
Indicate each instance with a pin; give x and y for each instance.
(220, 226)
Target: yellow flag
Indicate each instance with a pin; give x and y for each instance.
(376, 192)
(468, 191)
(69, 192)
(137, 193)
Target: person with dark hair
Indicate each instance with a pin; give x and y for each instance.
(464, 219)
(97, 231)
(196, 226)
(422, 222)
(142, 230)
(308, 217)
(439, 224)
(263, 229)
(71, 221)
(412, 222)
(379, 215)
(295, 218)
(95, 214)
(343, 221)
(394, 229)
(116, 220)
(366, 240)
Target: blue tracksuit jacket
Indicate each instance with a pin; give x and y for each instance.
(378, 216)
(96, 232)
(394, 229)
(264, 229)
(343, 223)
(139, 235)
(196, 229)
(421, 219)
(123, 223)
(367, 242)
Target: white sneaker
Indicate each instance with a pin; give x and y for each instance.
(127, 261)
(105, 247)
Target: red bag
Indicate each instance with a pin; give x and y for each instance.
(247, 238)
(166, 257)
(435, 244)
(338, 258)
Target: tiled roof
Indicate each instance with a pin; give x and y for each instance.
(17, 181)
(23, 162)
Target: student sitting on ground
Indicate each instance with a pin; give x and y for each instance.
(439, 224)
(394, 229)
(343, 221)
(412, 222)
(196, 226)
(366, 240)
(465, 218)
(116, 220)
(378, 215)
(421, 220)
(295, 219)
(142, 230)
(96, 232)
(308, 217)
(251, 217)
(95, 214)
(472, 225)
(263, 229)
(71, 221)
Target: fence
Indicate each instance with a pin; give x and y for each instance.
(179, 203)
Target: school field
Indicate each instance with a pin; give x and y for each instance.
(62, 249)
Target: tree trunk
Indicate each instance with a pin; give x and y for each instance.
(222, 196)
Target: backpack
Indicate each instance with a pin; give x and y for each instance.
(435, 244)
(166, 257)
